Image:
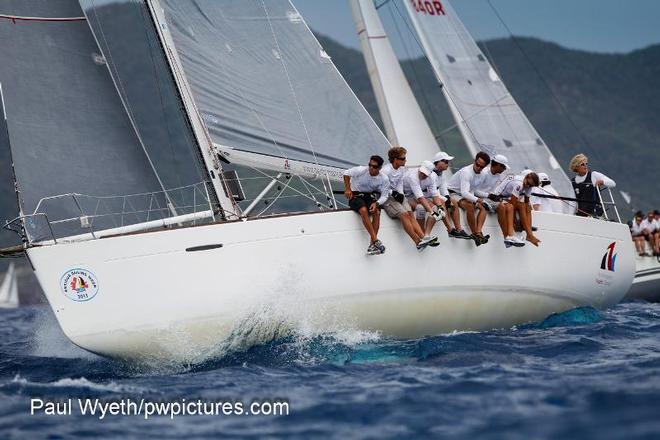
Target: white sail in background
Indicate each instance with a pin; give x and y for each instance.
(402, 118)
(9, 289)
(484, 109)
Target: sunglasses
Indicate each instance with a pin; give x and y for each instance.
(375, 167)
(402, 158)
(476, 164)
(584, 164)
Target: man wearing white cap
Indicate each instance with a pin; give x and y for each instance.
(546, 204)
(441, 164)
(415, 182)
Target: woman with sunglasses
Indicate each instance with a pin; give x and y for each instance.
(586, 183)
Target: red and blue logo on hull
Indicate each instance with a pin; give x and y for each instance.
(609, 258)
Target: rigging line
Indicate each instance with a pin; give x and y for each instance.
(293, 91)
(541, 77)
(382, 4)
(15, 18)
(427, 103)
(160, 91)
(449, 97)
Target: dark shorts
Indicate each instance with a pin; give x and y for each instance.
(361, 199)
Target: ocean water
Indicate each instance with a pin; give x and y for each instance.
(580, 374)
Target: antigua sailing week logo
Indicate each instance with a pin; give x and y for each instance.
(79, 285)
(609, 258)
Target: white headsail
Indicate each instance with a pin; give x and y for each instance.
(485, 111)
(403, 119)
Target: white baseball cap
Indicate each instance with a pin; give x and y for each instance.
(526, 172)
(501, 159)
(543, 177)
(426, 167)
(441, 156)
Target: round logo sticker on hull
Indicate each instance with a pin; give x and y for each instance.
(79, 285)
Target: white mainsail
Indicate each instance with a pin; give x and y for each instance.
(9, 289)
(263, 84)
(403, 120)
(485, 111)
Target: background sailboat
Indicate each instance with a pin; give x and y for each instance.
(241, 79)
(9, 289)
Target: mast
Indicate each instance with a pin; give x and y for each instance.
(404, 121)
(461, 123)
(229, 208)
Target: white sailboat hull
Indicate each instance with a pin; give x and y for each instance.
(154, 300)
(646, 284)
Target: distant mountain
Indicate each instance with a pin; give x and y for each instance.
(605, 105)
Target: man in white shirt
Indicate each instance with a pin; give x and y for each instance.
(396, 206)
(649, 231)
(415, 182)
(546, 204)
(441, 163)
(586, 185)
(637, 232)
(461, 187)
(515, 192)
(492, 175)
(366, 190)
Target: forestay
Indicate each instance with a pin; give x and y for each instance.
(67, 127)
(485, 110)
(264, 85)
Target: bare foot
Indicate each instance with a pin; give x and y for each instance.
(532, 239)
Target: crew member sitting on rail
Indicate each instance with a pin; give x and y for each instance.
(414, 183)
(649, 230)
(586, 185)
(461, 187)
(546, 204)
(492, 176)
(637, 232)
(441, 164)
(514, 193)
(396, 206)
(366, 190)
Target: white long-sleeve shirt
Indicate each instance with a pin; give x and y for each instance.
(395, 177)
(488, 182)
(362, 181)
(441, 183)
(547, 204)
(464, 181)
(595, 177)
(416, 188)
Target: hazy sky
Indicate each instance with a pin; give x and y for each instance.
(593, 25)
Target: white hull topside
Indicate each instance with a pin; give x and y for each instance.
(646, 284)
(155, 300)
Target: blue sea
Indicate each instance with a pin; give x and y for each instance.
(583, 374)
